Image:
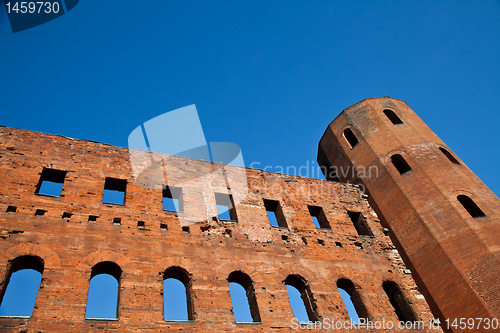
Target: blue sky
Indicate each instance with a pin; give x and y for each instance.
(266, 75)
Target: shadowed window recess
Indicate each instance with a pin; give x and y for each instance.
(470, 206)
(51, 182)
(399, 302)
(275, 213)
(172, 199)
(393, 117)
(103, 296)
(242, 292)
(360, 224)
(114, 191)
(301, 298)
(352, 300)
(400, 164)
(18, 294)
(319, 218)
(449, 156)
(225, 207)
(177, 298)
(350, 137)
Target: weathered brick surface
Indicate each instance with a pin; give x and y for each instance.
(71, 247)
(453, 256)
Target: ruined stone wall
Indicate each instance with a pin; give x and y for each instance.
(207, 248)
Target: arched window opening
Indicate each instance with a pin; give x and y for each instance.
(177, 301)
(399, 302)
(301, 298)
(352, 300)
(449, 155)
(20, 288)
(470, 206)
(350, 137)
(392, 117)
(103, 296)
(245, 307)
(400, 164)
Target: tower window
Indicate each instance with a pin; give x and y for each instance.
(400, 164)
(392, 117)
(177, 302)
(275, 213)
(18, 295)
(319, 218)
(352, 300)
(114, 191)
(51, 182)
(350, 137)
(360, 224)
(102, 300)
(470, 206)
(449, 155)
(172, 199)
(399, 302)
(301, 299)
(243, 298)
(225, 207)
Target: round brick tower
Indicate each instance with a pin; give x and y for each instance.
(443, 219)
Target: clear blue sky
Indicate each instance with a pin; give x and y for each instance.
(266, 75)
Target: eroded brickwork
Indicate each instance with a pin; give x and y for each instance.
(70, 245)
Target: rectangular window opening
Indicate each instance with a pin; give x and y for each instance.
(225, 207)
(141, 224)
(163, 226)
(114, 191)
(117, 221)
(360, 224)
(51, 182)
(321, 242)
(319, 218)
(275, 213)
(185, 229)
(92, 218)
(172, 199)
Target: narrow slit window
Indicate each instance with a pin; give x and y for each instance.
(172, 199)
(400, 164)
(51, 182)
(350, 137)
(225, 207)
(399, 302)
(275, 213)
(360, 224)
(319, 218)
(393, 117)
(103, 295)
(301, 299)
(242, 293)
(470, 206)
(114, 191)
(449, 156)
(352, 300)
(177, 302)
(20, 289)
